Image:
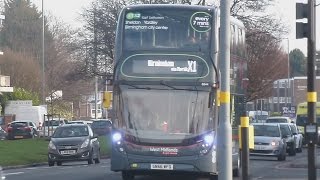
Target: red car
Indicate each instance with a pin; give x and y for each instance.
(21, 130)
(101, 127)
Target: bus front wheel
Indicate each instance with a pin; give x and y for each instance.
(127, 175)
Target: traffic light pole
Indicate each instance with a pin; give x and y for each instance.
(312, 94)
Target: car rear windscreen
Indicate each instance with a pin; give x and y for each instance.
(101, 124)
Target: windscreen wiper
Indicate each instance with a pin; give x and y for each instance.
(123, 82)
(183, 89)
(165, 84)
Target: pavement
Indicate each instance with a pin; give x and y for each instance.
(302, 162)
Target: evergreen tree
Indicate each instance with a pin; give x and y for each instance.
(297, 63)
(22, 29)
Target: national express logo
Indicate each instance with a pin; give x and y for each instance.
(133, 15)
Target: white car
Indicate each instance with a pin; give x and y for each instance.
(298, 137)
(48, 127)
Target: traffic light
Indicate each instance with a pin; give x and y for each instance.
(107, 99)
(301, 27)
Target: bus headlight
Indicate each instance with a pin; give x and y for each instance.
(208, 139)
(206, 144)
(116, 137)
(117, 141)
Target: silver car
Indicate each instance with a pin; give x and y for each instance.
(298, 137)
(2, 177)
(268, 141)
(290, 138)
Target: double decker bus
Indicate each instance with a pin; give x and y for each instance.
(166, 80)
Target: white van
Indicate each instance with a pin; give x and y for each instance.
(279, 119)
(258, 116)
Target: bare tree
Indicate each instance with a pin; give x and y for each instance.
(99, 34)
(23, 69)
(267, 62)
(64, 65)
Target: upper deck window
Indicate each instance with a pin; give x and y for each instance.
(186, 30)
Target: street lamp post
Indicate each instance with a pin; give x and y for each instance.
(288, 75)
(288, 82)
(43, 72)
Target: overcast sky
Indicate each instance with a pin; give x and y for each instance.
(286, 9)
(69, 11)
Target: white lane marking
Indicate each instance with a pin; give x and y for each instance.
(14, 173)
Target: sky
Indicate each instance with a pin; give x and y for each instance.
(68, 11)
(285, 9)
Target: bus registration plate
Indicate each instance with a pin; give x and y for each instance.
(162, 166)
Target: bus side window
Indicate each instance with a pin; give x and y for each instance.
(232, 43)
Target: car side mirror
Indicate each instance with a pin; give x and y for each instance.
(285, 136)
(48, 139)
(295, 133)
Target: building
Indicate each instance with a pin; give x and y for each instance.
(5, 84)
(286, 96)
(87, 107)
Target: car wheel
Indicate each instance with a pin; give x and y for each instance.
(282, 156)
(97, 160)
(90, 160)
(59, 163)
(235, 172)
(292, 151)
(126, 175)
(299, 150)
(51, 163)
(213, 177)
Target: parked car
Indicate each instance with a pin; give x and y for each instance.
(298, 137)
(80, 122)
(73, 142)
(3, 134)
(49, 126)
(21, 130)
(2, 177)
(290, 138)
(269, 141)
(102, 127)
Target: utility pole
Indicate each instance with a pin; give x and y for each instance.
(308, 30)
(224, 128)
(95, 65)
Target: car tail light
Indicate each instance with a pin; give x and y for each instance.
(27, 128)
(9, 129)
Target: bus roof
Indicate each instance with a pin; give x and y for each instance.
(184, 6)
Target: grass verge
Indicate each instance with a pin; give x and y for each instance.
(31, 151)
